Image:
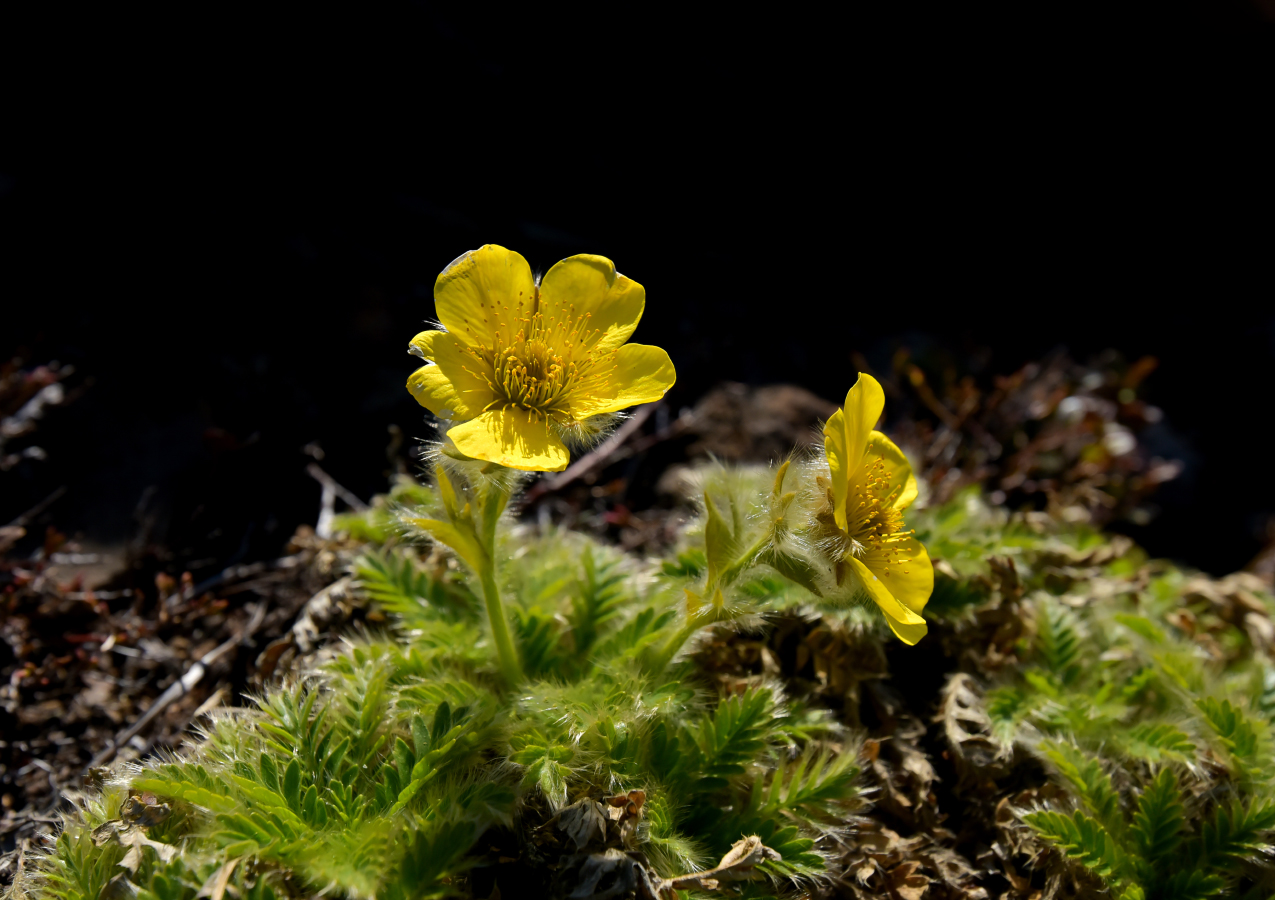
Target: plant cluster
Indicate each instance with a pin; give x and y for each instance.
(544, 715)
(1146, 693)
(375, 773)
(1107, 720)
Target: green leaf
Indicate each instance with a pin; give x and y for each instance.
(598, 599)
(404, 759)
(420, 736)
(690, 564)
(395, 581)
(292, 785)
(1058, 639)
(239, 848)
(545, 767)
(719, 541)
(1134, 688)
(734, 734)
(269, 773)
(191, 793)
(538, 634)
(463, 542)
(1236, 732)
(1142, 626)
(1080, 838)
(442, 721)
(1091, 782)
(1192, 884)
(1234, 833)
(1157, 824)
(1157, 741)
(310, 803)
(814, 789)
(332, 764)
(430, 859)
(793, 568)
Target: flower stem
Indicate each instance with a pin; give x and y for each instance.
(666, 653)
(728, 575)
(509, 666)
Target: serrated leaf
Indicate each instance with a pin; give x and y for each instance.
(332, 764)
(309, 803)
(719, 541)
(1156, 741)
(1059, 640)
(794, 569)
(1157, 823)
(420, 736)
(1091, 782)
(1143, 626)
(1193, 884)
(1081, 838)
(404, 759)
(463, 542)
(292, 785)
(1235, 832)
(193, 794)
(269, 772)
(1229, 723)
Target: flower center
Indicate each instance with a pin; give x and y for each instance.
(539, 362)
(871, 519)
(873, 531)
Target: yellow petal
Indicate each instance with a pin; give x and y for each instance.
(511, 437)
(834, 446)
(907, 573)
(467, 374)
(588, 285)
(897, 467)
(642, 374)
(906, 624)
(482, 291)
(846, 438)
(434, 391)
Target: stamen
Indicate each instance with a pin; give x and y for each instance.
(542, 364)
(873, 524)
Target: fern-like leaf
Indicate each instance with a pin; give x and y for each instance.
(731, 737)
(1160, 741)
(394, 580)
(1192, 884)
(1059, 640)
(1081, 838)
(1091, 782)
(546, 763)
(598, 599)
(1234, 833)
(814, 788)
(538, 635)
(638, 634)
(1157, 824)
(428, 860)
(1234, 730)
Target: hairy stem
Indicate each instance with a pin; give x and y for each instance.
(728, 575)
(666, 653)
(662, 657)
(509, 666)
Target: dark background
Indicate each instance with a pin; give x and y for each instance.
(233, 226)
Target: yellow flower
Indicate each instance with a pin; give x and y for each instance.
(871, 485)
(523, 364)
